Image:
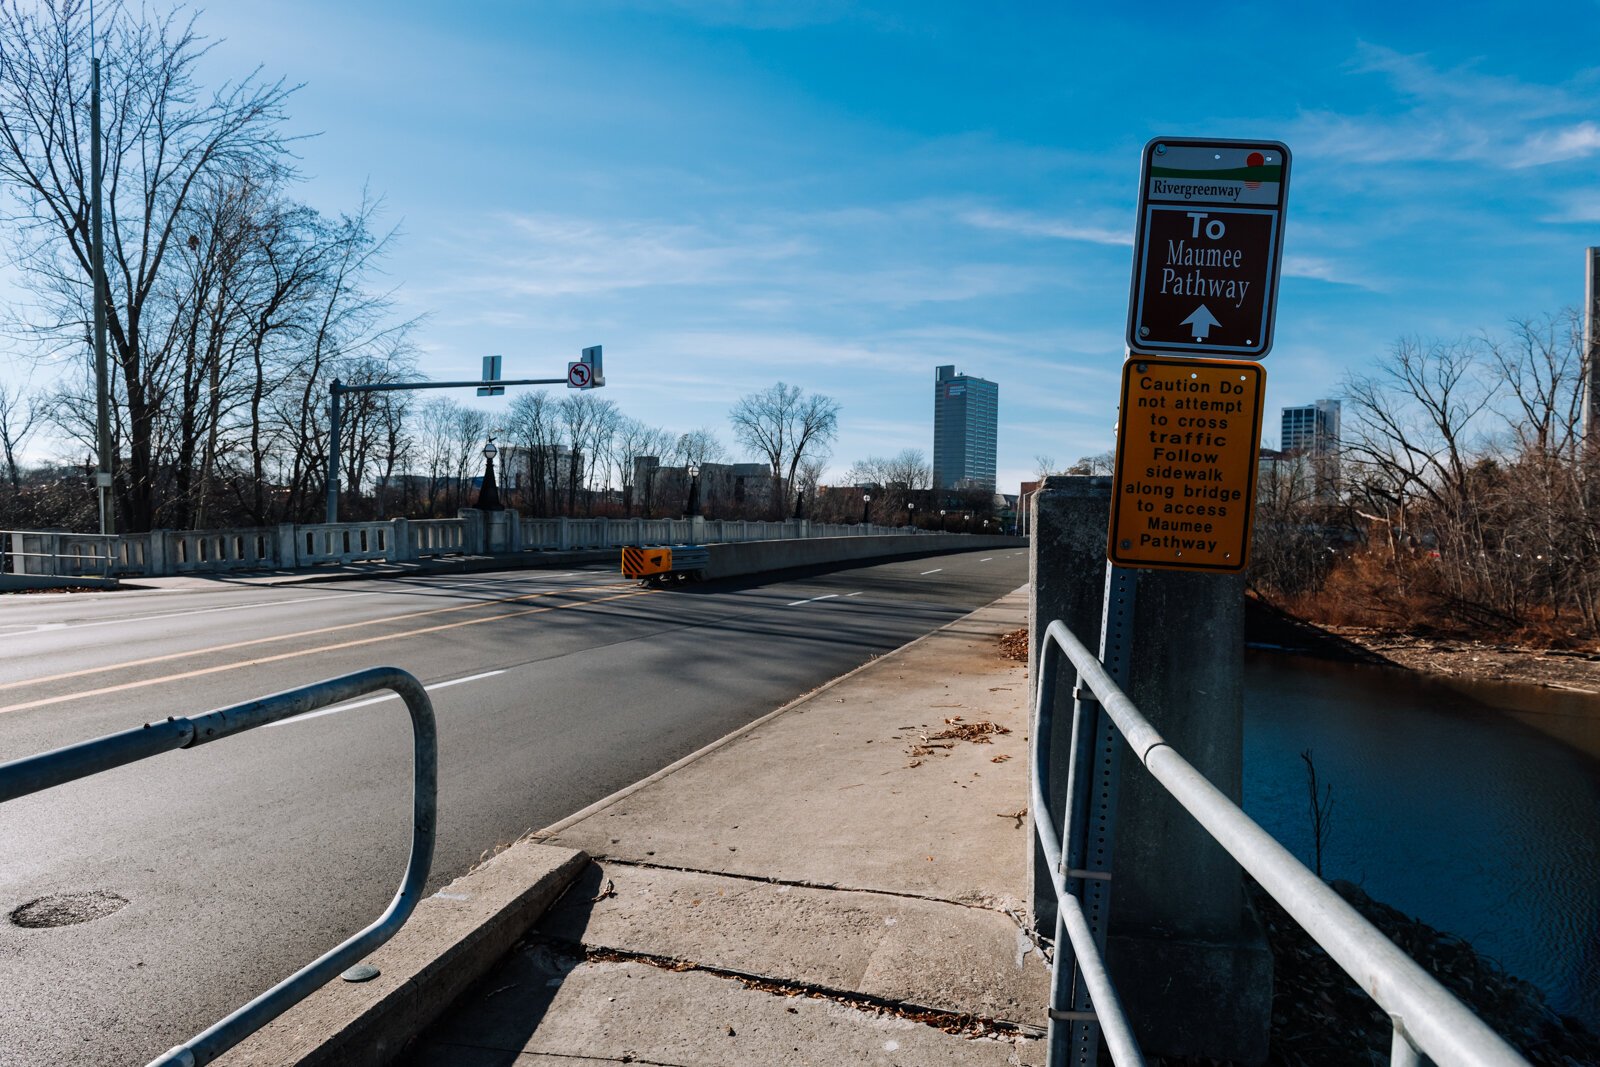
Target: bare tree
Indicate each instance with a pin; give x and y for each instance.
(784, 426)
(896, 480)
(164, 137)
(534, 426)
(19, 417)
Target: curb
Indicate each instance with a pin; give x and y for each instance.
(450, 941)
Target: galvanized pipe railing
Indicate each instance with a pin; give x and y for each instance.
(1427, 1018)
(21, 777)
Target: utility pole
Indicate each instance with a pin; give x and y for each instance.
(102, 388)
(1591, 356)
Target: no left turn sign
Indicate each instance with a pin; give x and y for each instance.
(579, 375)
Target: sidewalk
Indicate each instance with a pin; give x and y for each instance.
(823, 888)
(835, 883)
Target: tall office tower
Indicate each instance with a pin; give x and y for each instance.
(1311, 429)
(966, 423)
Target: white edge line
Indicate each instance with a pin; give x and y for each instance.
(380, 700)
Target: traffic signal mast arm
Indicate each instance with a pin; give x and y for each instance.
(385, 387)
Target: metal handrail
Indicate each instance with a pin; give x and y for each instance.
(1427, 1018)
(29, 775)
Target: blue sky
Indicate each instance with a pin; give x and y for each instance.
(842, 196)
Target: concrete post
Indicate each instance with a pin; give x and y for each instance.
(472, 531)
(563, 533)
(1067, 564)
(697, 530)
(401, 550)
(158, 563)
(513, 530)
(288, 557)
(1187, 953)
(1188, 957)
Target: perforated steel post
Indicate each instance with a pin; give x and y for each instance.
(1091, 824)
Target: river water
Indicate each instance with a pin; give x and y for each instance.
(1474, 807)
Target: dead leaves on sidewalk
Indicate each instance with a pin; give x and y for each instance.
(1014, 645)
(956, 729)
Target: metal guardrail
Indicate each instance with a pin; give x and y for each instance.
(1427, 1018)
(30, 775)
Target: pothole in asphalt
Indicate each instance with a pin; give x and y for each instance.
(67, 909)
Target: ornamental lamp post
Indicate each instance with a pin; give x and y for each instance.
(866, 509)
(489, 493)
(941, 520)
(911, 514)
(693, 471)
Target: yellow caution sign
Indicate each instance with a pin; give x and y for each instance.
(1188, 438)
(640, 562)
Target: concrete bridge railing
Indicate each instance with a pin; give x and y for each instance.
(60, 554)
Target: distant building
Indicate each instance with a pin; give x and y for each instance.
(1311, 431)
(966, 422)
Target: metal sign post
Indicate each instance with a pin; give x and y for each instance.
(1208, 246)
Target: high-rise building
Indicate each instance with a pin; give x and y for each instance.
(1310, 433)
(966, 425)
(1311, 429)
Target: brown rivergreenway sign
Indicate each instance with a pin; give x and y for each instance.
(1184, 483)
(1208, 247)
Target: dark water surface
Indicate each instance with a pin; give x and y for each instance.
(1473, 806)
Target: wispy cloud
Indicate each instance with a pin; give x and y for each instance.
(1038, 226)
(1456, 114)
(1325, 270)
(1558, 146)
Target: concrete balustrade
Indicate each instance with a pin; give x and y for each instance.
(58, 554)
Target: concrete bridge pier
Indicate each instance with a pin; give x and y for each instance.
(1188, 955)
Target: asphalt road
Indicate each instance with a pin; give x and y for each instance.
(241, 860)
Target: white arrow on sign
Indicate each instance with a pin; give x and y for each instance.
(1202, 320)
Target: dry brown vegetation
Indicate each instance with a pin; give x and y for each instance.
(1463, 502)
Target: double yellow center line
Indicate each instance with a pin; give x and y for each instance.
(240, 664)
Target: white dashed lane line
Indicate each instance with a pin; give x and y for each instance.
(935, 570)
(811, 600)
(380, 700)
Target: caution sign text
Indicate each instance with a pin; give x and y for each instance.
(1187, 447)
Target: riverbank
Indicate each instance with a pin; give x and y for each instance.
(1572, 670)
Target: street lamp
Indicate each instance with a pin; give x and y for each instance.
(489, 493)
(694, 489)
(941, 520)
(911, 514)
(866, 508)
